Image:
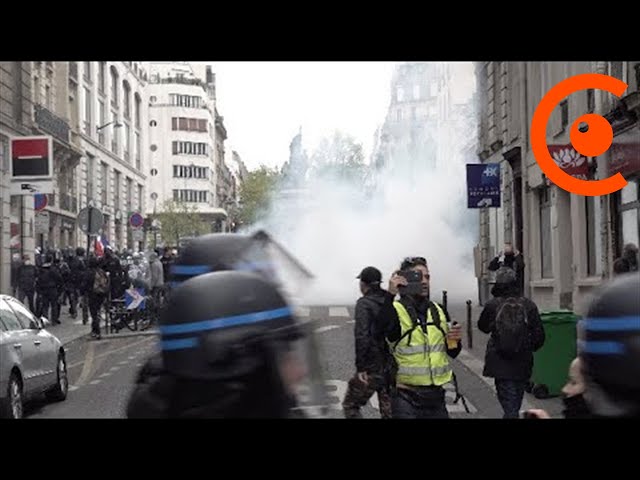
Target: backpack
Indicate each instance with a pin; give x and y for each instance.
(512, 327)
(100, 282)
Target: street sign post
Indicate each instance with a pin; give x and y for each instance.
(40, 201)
(90, 220)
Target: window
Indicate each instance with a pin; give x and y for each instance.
(126, 99)
(191, 196)
(591, 101)
(629, 216)
(23, 315)
(174, 123)
(129, 194)
(87, 112)
(189, 148)
(127, 141)
(617, 70)
(193, 124)
(36, 89)
(102, 119)
(153, 123)
(416, 92)
(114, 87)
(102, 68)
(140, 189)
(90, 176)
(47, 97)
(187, 101)
(104, 183)
(8, 318)
(183, 124)
(399, 94)
(117, 186)
(137, 152)
(592, 230)
(115, 135)
(202, 125)
(564, 113)
(545, 233)
(87, 71)
(137, 112)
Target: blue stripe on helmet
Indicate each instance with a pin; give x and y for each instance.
(617, 324)
(223, 322)
(190, 269)
(179, 344)
(601, 347)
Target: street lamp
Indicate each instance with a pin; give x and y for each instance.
(117, 125)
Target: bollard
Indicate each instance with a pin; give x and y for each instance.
(444, 299)
(469, 326)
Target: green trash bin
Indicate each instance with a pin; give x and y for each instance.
(551, 362)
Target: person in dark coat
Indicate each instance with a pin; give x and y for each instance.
(27, 275)
(95, 299)
(511, 373)
(371, 349)
(512, 259)
(48, 288)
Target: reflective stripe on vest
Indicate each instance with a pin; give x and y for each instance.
(422, 358)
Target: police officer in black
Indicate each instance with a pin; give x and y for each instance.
(231, 348)
(48, 287)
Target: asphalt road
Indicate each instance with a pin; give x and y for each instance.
(101, 373)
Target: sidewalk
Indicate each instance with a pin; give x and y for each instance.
(472, 356)
(70, 329)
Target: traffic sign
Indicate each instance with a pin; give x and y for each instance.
(90, 220)
(136, 220)
(40, 201)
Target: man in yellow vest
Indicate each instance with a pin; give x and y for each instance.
(422, 340)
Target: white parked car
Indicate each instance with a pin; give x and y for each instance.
(32, 360)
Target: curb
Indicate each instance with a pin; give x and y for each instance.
(476, 366)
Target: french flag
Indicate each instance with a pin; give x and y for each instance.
(100, 244)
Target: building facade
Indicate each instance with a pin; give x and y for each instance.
(568, 241)
(16, 212)
(55, 103)
(112, 119)
(186, 139)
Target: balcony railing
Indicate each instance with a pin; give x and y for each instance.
(176, 80)
(51, 123)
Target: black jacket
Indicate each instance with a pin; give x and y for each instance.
(417, 310)
(49, 280)
(27, 275)
(516, 262)
(513, 368)
(369, 338)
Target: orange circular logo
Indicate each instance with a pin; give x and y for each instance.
(590, 143)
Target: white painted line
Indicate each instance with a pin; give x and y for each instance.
(303, 311)
(124, 362)
(73, 388)
(350, 321)
(326, 328)
(131, 357)
(114, 369)
(338, 312)
(107, 374)
(94, 382)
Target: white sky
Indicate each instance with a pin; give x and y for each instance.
(264, 104)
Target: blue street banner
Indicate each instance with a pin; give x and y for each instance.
(483, 185)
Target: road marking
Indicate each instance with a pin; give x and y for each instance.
(114, 369)
(105, 354)
(326, 328)
(303, 311)
(131, 357)
(351, 321)
(94, 382)
(338, 312)
(73, 388)
(104, 375)
(124, 362)
(88, 365)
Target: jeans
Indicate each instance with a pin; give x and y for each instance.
(510, 395)
(421, 402)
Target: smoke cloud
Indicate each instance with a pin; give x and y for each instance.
(409, 207)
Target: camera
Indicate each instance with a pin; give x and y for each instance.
(414, 282)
